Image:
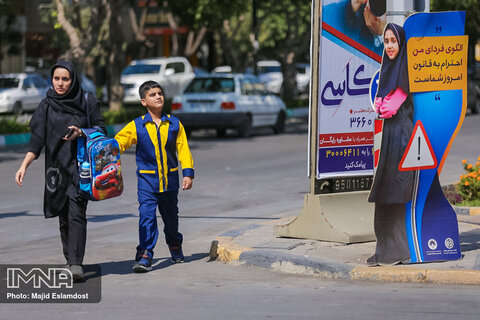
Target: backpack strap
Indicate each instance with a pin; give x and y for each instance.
(88, 111)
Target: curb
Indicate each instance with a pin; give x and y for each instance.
(24, 138)
(298, 112)
(467, 211)
(404, 274)
(224, 249)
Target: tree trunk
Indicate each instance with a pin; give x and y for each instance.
(289, 71)
(76, 52)
(116, 54)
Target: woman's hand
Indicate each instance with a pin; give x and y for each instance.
(73, 133)
(20, 175)
(374, 24)
(378, 104)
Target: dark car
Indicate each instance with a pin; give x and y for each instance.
(473, 96)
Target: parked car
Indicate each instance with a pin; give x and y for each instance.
(270, 73)
(222, 69)
(223, 101)
(173, 74)
(303, 77)
(21, 92)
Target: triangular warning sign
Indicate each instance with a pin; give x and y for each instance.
(419, 153)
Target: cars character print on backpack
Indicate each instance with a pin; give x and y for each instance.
(107, 176)
(99, 166)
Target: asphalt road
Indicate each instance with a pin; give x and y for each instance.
(238, 182)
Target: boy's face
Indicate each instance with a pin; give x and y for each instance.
(154, 99)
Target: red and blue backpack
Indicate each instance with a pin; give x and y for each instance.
(99, 165)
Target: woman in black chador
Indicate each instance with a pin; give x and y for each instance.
(392, 188)
(55, 124)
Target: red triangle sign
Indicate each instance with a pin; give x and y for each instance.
(419, 152)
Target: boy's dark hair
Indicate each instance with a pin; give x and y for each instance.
(147, 85)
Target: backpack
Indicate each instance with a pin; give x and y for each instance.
(99, 166)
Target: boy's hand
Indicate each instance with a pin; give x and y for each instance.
(187, 183)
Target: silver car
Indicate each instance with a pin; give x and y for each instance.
(21, 92)
(224, 101)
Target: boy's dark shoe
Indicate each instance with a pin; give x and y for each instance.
(77, 272)
(143, 263)
(177, 254)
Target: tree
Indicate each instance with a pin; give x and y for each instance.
(100, 31)
(10, 39)
(284, 35)
(472, 9)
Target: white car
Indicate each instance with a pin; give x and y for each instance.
(172, 73)
(223, 101)
(21, 92)
(270, 73)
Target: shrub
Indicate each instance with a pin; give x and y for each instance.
(452, 194)
(11, 126)
(295, 103)
(128, 113)
(469, 185)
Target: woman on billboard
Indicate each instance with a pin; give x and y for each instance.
(392, 188)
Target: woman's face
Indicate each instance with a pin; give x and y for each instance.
(61, 81)
(391, 44)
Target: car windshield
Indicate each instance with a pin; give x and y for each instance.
(211, 85)
(267, 69)
(9, 82)
(142, 69)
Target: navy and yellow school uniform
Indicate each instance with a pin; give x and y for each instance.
(159, 149)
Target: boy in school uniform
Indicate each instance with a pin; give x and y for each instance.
(161, 142)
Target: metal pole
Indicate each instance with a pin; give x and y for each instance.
(399, 10)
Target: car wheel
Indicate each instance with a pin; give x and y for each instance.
(279, 126)
(221, 133)
(17, 108)
(244, 130)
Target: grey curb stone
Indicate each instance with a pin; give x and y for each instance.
(282, 261)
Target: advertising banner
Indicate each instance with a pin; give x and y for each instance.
(437, 68)
(350, 54)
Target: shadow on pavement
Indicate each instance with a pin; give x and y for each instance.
(18, 214)
(125, 267)
(470, 240)
(109, 217)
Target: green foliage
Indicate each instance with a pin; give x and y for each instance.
(284, 25)
(472, 9)
(472, 203)
(469, 185)
(9, 125)
(210, 13)
(296, 103)
(130, 112)
(124, 115)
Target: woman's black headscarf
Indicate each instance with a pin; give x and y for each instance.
(394, 73)
(72, 100)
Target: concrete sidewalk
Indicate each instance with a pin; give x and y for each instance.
(256, 245)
